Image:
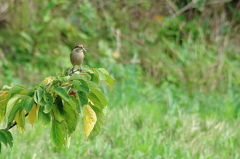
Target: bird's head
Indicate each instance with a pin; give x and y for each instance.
(79, 47)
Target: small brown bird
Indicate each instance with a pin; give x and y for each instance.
(77, 56)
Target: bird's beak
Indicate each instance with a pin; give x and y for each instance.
(84, 49)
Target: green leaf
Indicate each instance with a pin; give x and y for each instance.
(8, 136)
(61, 92)
(100, 120)
(97, 97)
(104, 71)
(14, 111)
(71, 117)
(31, 92)
(59, 104)
(95, 76)
(3, 103)
(92, 84)
(80, 85)
(101, 75)
(84, 86)
(15, 90)
(6, 88)
(57, 133)
(27, 103)
(58, 110)
(3, 138)
(45, 118)
(48, 102)
(77, 76)
(82, 99)
(40, 92)
(10, 105)
(109, 81)
(26, 36)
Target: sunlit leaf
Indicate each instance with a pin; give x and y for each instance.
(20, 119)
(32, 115)
(48, 80)
(90, 120)
(103, 70)
(100, 120)
(109, 81)
(58, 112)
(3, 103)
(12, 108)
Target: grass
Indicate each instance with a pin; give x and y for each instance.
(146, 122)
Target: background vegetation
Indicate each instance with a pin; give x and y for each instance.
(176, 63)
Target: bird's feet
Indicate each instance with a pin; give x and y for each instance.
(72, 70)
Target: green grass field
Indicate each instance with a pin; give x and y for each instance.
(176, 63)
(146, 122)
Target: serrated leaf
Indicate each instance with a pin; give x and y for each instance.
(82, 99)
(58, 114)
(61, 92)
(57, 133)
(97, 98)
(90, 120)
(27, 103)
(32, 115)
(3, 103)
(71, 117)
(8, 136)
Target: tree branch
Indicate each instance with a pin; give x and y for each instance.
(14, 124)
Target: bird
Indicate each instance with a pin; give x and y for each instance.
(77, 56)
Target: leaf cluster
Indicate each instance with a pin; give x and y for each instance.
(60, 100)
